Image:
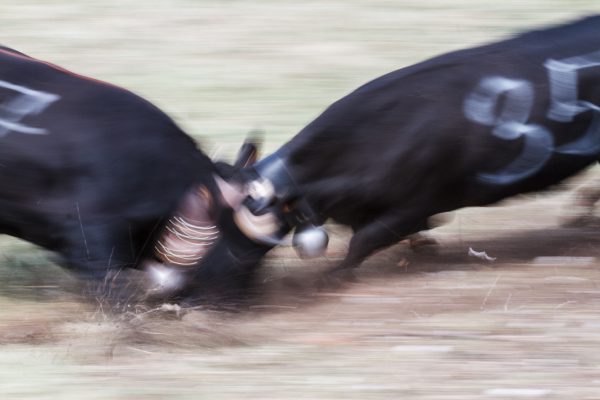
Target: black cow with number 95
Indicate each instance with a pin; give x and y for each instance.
(468, 128)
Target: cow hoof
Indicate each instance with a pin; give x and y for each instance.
(336, 279)
(423, 244)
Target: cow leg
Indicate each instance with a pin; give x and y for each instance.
(580, 209)
(380, 233)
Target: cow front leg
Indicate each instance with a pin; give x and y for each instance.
(378, 234)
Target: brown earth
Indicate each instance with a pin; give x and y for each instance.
(413, 326)
(428, 324)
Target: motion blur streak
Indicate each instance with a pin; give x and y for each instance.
(414, 326)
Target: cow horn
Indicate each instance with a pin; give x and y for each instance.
(246, 156)
(261, 228)
(249, 151)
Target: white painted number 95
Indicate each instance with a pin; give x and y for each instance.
(510, 122)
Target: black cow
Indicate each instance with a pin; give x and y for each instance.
(93, 172)
(468, 128)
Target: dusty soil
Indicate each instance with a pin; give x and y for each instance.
(432, 324)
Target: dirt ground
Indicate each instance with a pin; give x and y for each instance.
(432, 324)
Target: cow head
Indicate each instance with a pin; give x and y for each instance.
(217, 237)
(268, 204)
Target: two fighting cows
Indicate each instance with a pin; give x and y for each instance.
(108, 181)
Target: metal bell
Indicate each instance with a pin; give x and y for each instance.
(310, 241)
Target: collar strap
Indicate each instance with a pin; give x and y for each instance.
(281, 189)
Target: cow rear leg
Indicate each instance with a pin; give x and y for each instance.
(376, 235)
(580, 209)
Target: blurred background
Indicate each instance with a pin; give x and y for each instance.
(222, 68)
(440, 328)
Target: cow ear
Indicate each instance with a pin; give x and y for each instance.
(247, 156)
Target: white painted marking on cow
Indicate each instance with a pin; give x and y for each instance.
(563, 75)
(510, 123)
(27, 102)
(565, 104)
(481, 103)
(516, 98)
